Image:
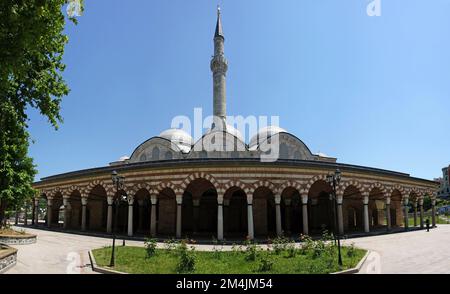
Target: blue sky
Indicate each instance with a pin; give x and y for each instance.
(371, 91)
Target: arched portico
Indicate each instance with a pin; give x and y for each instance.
(321, 207)
(235, 212)
(353, 209)
(200, 208)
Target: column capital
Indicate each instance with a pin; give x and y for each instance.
(366, 199)
(84, 201)
(250, 199)
(304, 199)
(388, 200)
(339, 199)
(110, 200)
(49, 201)
(277, 199)
(130, 200)
(433, 202)
(219, 199)
(179, 199)
(405, 201)
(65, 202)
(421, 201)
(154, 199)
(36, 201)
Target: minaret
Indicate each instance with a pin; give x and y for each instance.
(219, 67)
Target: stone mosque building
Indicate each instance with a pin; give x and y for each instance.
(177, 188)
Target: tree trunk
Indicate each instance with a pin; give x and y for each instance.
(2, 214)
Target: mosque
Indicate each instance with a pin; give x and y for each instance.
(219, 186)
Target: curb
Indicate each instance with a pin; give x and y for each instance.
(99, 269)
(12, 254)
(356, 269)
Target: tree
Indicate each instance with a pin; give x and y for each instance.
(31, 48)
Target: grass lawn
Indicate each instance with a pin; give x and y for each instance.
(134, 260)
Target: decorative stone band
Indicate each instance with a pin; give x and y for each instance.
(18, 240)
(8, 258)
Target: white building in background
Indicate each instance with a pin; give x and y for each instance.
(444, 190)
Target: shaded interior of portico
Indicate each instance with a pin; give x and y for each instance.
(396, 209)
(320, 208)
(291, 212)
(96, 209)
(142, 212)
(377, 209)
(166, 212)
(199, 214)
(264, 212)
(353, 210)
(235, 213)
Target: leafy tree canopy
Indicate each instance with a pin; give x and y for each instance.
(32, 42)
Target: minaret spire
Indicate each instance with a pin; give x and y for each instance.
(219, 67)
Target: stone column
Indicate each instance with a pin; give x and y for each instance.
(196, 213)
(251, 234)
(278, 214)
(287, 214)
(226, 213)
(219, 217)
(36, 211)
(421, 213)
(154, 201)
(405, 212)
(130, 215)
(66, 203)
(415, 212)
(84, 201)
(179, 199)
(433, 212)
(49, 211)
(339, 201)
(366, 213)
(141, 213)
(305, 214)
(109, 217)
(388, 213)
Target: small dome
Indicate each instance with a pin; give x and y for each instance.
(177, 136)
(265, 133)
(123, 158)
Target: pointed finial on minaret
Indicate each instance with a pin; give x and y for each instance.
(219, 31)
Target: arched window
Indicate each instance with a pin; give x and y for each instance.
(143, 157)
(155, 153)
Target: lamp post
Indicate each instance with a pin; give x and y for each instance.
(118, 182)
(333, 180)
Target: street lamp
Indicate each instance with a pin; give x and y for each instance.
(333, 180)
(118, 182)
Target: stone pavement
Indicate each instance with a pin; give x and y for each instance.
(418, 252)
(410, 252)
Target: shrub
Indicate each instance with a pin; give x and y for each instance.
(186, 261)
(291, 250)
(279, 244)
(265, 264)
(351, 250)
(170, 244)
(251, 251)
(150, 247)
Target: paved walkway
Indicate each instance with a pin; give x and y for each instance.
(418, 252)
(411, 252)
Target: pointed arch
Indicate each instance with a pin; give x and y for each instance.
(199, 175)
